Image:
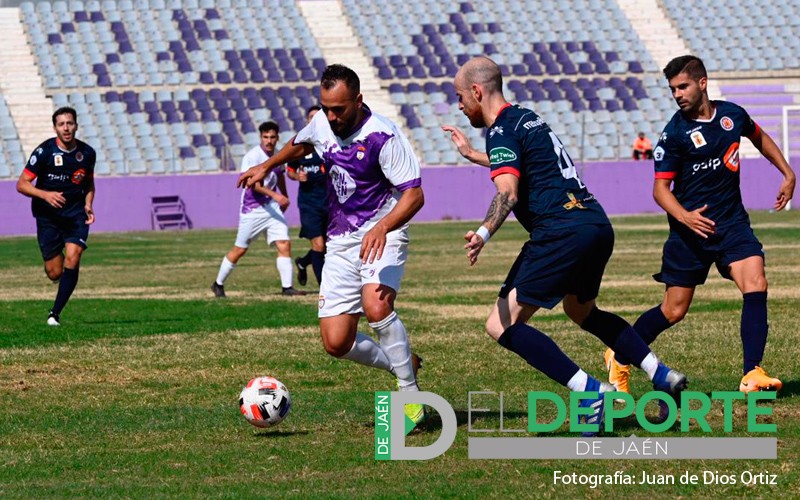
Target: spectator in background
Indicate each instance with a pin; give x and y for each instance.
(642, 148)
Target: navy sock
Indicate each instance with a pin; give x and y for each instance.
(649, 325)
(617, 334)
(539, 351)
(317, 261)
(754, 328)
(69, 280)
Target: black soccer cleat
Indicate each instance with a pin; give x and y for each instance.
(53, 319)
(302, 272)
(219, 290)
(291, 291)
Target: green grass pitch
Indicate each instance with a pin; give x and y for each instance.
(135, 395)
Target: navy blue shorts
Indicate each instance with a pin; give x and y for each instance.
(313, 220)
(688, 257)
(54, 231)
(559, 262)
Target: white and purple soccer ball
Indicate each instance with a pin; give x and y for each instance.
(265, 401)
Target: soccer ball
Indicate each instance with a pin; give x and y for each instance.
(265, 401)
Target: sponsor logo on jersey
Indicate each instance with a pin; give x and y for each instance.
(658, 153)
(496, 130)
(79, 156)
(663, 137)
(698, 140)
(501, 155)
(78, 176)
(573, 202)
(533, 124)
(343, 184)
(58, 160)
(33, 160)
(40, 150)
(731, 157)
(726, 123)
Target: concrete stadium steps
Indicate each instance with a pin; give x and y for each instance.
(21, 85)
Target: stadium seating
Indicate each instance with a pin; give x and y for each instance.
(12, 158)
(167, 86)
(740, 36)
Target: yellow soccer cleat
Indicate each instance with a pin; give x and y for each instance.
(618, 374)
(758, 380)
(415, 416)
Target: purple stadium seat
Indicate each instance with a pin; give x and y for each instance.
(611, 56)
(186, 152)
(97, 17)
(173, 117)
(207, 116)
(199, 140)
(112, 96)
(478, 28)
(125, 47)
(248, 127)
(602, 68)
(595, 105)
(150, 106)
(218, 140)
(163, 56)
(578, 106)
(585, 68)
(187, 105)
(192, 45)
(67, 28)
(104, 80)
(225, 115)
(635, 67)
(612, 105)
(572, 47)
(206, 77)
(190, 116)
(467, 7)
(402, 73)
(154, 117)
(81, 16)
(133, 107)
(212, 14)
(221, 34)
(239, 76)
(54, 38)
(99, 69)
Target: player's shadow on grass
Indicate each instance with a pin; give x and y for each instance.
(279, 434)
(790, 388)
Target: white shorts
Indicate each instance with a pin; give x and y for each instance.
(343, 274)
(271, 221)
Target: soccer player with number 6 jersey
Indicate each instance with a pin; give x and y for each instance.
(698, 155)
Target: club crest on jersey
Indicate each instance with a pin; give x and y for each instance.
(496, 130)
(726, 123)
(32, 161)
(58, 160)
(360, 153)
(78, 176)
(321, 301)
(658, 153)
(79, 156)
(697, 139)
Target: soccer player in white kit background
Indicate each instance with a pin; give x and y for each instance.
(374, 189)
(261, 211)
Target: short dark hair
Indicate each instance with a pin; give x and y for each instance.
(340, 73)
(313, 108)
(267, 126)
(691, 65)
(63, 111)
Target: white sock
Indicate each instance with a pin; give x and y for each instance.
(394, 342)
(650, 365)
(225, 269)
(367, 352)
(285, 269)
(578, 381)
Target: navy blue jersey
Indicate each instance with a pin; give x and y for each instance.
(701, 157)
(313, 191)
(550, 192)
(68, 172)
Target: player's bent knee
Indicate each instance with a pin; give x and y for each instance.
(675, 314)
(493, 328)
(54, 274)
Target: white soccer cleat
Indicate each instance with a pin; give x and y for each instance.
(53, 319)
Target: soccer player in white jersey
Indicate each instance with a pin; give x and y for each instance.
(374, 189)
(261, 211)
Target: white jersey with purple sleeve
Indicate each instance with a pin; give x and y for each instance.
(251, 200)
(367, 171)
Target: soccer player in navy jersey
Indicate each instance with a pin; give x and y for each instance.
(312, 201)
(61, 202)
(571, 239)
(375, 187)
(698, 155)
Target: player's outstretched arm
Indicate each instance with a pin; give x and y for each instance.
(694, 220)
(289, 152)
(764, 143)
(411, 200)
(281, 199)
(465, 147)
(502, 204)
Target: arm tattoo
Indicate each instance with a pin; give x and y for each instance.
(498, 211)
